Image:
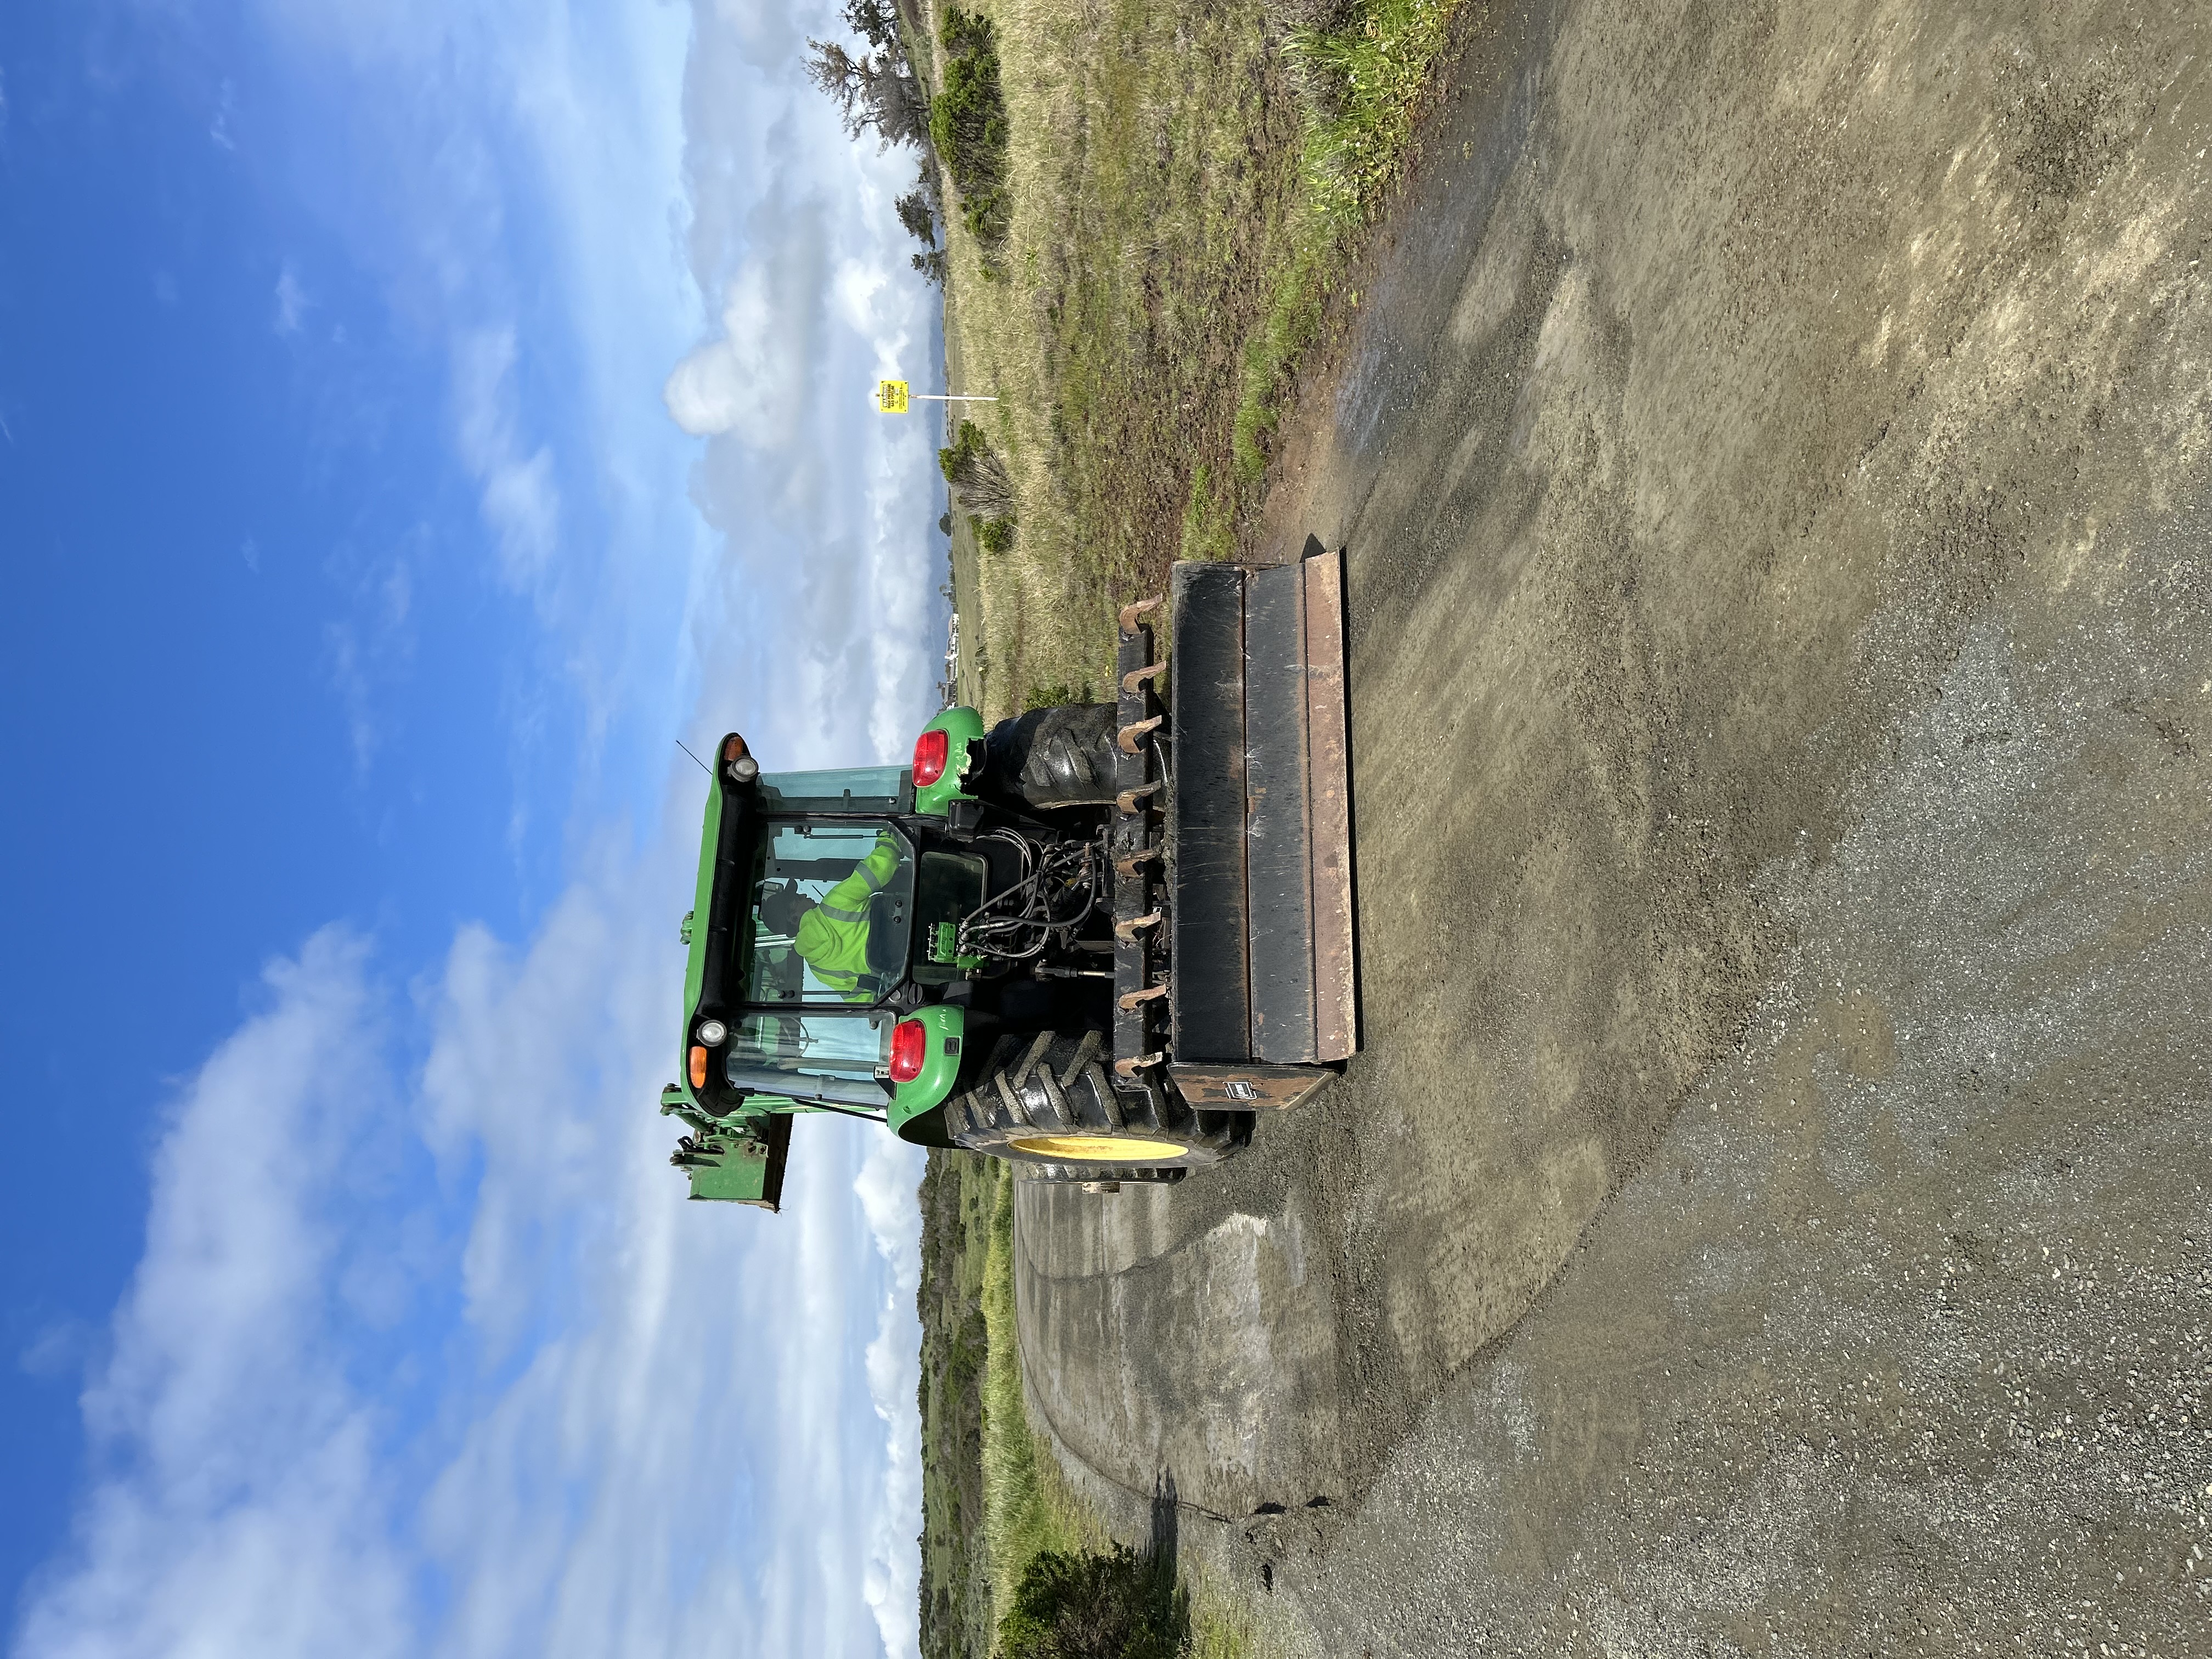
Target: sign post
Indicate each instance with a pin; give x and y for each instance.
(892, 397)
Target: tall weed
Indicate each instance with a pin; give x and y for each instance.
(1366, 78)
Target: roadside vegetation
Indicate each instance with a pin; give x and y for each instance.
(1096, 1604)
(1364, 72)
(1142, 213)
(959, 1201)
(1182, 190)
(994, 1501)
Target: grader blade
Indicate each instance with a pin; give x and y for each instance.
(1259, 828)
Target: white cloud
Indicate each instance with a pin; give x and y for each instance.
(60, 1348)
(825, 508)
(226, 107)
(679, 1456)
(246, 1513)
(643, 1426)
(292, 300)
(750, 379)
(888, 1187)
(521, 500)
(373, 645)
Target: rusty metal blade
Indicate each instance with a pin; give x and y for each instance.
(1328, 797)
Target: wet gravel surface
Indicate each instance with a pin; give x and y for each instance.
(1769, 1214)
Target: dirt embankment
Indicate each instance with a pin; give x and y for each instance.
(1770, 1212)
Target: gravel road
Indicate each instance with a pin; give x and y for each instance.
(1769, 1214)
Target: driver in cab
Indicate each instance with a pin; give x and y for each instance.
(831, 933)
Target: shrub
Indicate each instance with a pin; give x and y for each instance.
(977, 476)
(1110, 1604)
(968, 125)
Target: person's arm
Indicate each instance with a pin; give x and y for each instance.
(849, 900)
(881, 865)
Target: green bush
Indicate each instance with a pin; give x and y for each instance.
(968, 125)
(993, 535)
(1110, 1604)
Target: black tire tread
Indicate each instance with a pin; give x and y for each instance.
(1057, 1083)
(1052, 757)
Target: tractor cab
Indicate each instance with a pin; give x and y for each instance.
(824, 919)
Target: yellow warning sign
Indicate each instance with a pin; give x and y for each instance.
(891, 396)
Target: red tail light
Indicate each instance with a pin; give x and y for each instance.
(930, 750)
(910, 1048)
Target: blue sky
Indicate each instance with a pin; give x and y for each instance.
(413, 416)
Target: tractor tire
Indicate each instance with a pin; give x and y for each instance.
(1048, 1100)
(1051, 757)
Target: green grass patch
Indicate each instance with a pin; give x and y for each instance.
(1057, 695)
(1027, 1505)
(1370, 75)
(1209, 524)
(1366, 80)
(1096, 1604)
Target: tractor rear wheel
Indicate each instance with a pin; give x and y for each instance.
(1048, 1100)
(1051, 757)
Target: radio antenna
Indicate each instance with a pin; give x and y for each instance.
(702, 765)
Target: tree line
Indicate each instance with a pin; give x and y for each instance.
(963, 127)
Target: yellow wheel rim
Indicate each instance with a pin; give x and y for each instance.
(1100, 1149)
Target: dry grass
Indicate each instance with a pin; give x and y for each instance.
(1153, 169)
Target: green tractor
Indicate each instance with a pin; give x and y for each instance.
(1094, 940)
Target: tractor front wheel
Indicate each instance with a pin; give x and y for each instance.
(1047, 1101)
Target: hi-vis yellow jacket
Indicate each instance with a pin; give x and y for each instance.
(833, 936)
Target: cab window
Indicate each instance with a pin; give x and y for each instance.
(831, 913)
(884, 789)
(827, 1056)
